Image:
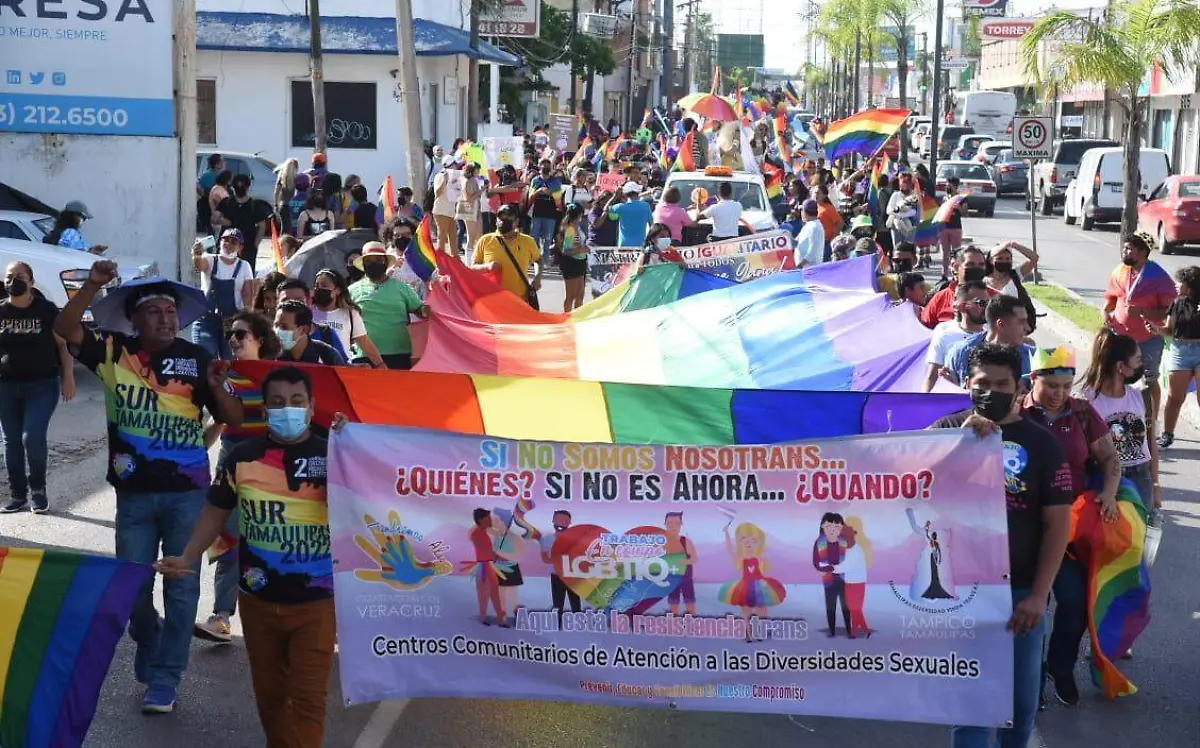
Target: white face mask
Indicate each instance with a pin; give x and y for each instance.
(663, 242)
(229, 254)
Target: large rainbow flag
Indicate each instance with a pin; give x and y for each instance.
(784, 331)
(1118, 594)
(575, 411)
(61, 616)
(863, 133)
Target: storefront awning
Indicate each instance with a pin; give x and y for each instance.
(345, 35)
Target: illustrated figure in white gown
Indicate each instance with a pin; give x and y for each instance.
(933, 577)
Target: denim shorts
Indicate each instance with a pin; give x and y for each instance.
(1183, 356)
(1152, 353)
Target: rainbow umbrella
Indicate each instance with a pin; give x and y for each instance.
(709, 105)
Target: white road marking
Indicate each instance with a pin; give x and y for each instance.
(379, 727)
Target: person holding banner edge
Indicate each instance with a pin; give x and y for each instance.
(1037, 482)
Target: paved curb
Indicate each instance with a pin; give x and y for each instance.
(1078, 338)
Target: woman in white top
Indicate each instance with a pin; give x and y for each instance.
(447, 187)
(332, 307)
(467, 207)
(1116, 364)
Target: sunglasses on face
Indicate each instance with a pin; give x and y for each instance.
(240, 335)
(981, 303)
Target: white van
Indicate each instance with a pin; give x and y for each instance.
(1097, 193)
(989, 112)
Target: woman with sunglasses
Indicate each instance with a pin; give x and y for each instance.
(251, 338)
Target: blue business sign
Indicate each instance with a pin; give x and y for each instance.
(96, 67)
(887, 47)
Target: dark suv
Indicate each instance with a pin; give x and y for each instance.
(1050, 178)
(947, 139)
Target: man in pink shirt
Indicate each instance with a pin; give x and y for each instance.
(670, 214)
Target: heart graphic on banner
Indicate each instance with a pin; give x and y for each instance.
(626, 577)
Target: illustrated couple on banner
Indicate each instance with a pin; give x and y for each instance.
(933, 578)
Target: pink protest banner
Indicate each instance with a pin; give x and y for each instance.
(860, 577)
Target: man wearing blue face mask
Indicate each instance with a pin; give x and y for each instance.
(293, 323)
(278, 481)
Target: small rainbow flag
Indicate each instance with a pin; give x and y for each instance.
(686, 160)
(613, 147)
(772, 180)
(789, 91)
(863, 133)
(948, 207)
(928, 229)
(421, 253)
(387, 199)
(276, 247)
(781, 141)
(662, 152)
(63, 616)
(580, 153)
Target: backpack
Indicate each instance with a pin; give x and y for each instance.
(327, 335)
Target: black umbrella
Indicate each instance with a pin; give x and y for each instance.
(327, 250)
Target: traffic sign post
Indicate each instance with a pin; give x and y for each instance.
(1032, 140)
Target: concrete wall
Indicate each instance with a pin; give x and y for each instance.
(130, 185)
(253, 106)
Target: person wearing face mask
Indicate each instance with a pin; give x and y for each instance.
(386, 305)
(1084, 437)
(67, 227)
(1007, 324)
(1037, 487)
(333, 307)
(970, 264)
(251, 338)
(545, 196)
(35, 368)
(1116, 365)
(970, 301)
(353, 272)
(903, 260)
(1003, 277)
(902, 211)
(1136, 301)
(397, 237)
(247, 215)
(228, 285)
(510, 253)
(293, 327)
(658, 248)
(286, 599)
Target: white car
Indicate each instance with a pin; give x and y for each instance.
(1097, 192)
(20, 224)
(261, 170)
(59, 272)
(748, 189)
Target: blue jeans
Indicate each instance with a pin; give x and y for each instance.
(1027, 686)
(1070, 618)
(225, 580)
(208, 332)
(25, 410)
(542, 231)
(144, 522)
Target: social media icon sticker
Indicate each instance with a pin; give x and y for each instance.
(59, 79)
(12, 77)
(36, 79)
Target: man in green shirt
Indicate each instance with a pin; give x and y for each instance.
(386, 304)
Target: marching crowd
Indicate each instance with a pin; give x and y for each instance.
(170, 399)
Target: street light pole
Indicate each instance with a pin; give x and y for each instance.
(857, 66)
(410, 97)
(935, 124)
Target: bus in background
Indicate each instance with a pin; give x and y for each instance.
(989, 112)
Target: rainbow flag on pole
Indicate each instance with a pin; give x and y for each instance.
(928, 229)
(421, 252)
(686, 160)
(863, 133)
(276, 247)
(387, 199)
(62, 616)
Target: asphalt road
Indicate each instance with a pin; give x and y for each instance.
(216, 705)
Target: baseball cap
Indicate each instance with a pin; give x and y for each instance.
(77, 206)
(810, 207)
(318, 159)
(234, 234)
(631, 188)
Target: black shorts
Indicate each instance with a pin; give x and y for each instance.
(572, 267)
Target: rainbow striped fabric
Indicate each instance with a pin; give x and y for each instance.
(607, 412)
(686, 159)
(863, 133)
(1118, 595)
(947, 208)
(63, 614)
(784, 331)
(928, 229)
(421, 253)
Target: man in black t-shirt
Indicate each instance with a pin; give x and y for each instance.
(1037, 483)
(242, 212)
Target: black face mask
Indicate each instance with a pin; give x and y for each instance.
(1129, 261)
(375, 270)
(16, 287)
(506, 227)
(902, 266)
(240, 190)
(973, 274)
(402, 242)
(992, 405)
(1003, 267)
(322, 296)
(1137, 374)
(353, 273)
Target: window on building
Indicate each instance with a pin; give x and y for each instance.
(349, 115)
(206, 112)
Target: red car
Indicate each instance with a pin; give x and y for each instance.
(1172, 212)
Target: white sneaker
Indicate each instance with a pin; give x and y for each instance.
(215, 629)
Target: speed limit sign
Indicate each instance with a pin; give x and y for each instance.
(1032, 137)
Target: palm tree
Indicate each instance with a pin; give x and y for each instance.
(900, 13)
(1118, 52)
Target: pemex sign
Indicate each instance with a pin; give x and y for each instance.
(1005, 28)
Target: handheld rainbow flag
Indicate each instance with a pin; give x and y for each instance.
(276, 247)
(928, 229)
(947, 208)
(863, 133)
(662, 152)
(63, 616)
(613, 147)
(581, 152)
(772, 180)
(781, 140)
(789, 91)
(387, 198)
(685, 160)
(421, 253)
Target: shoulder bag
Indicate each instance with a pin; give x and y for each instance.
(531, 296)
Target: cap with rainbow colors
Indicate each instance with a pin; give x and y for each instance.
(1060, 359)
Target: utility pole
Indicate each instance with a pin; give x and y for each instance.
(574, 105)
(473, 75)
(924, 84)
(317, 74)
(668, 41)
(633, 13)
(410, 100)
(185, 131)
(1107, 132)
(935, 124)
(689, 37)
(857, 65)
